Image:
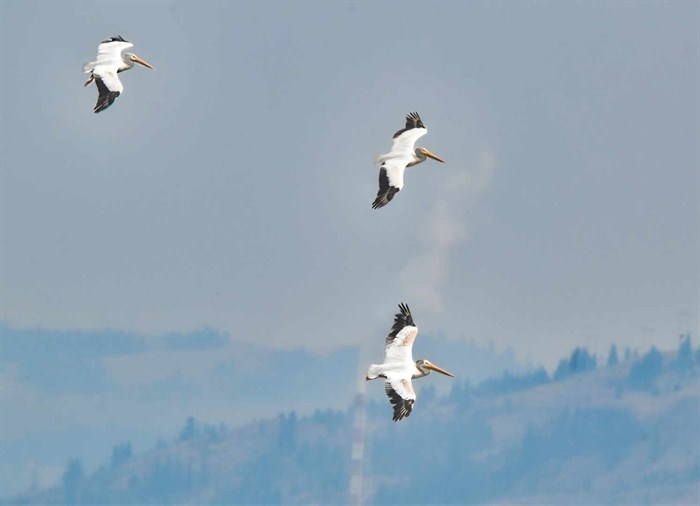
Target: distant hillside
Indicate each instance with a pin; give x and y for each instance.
(622, 433)
(69, 393)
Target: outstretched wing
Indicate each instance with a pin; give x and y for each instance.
(405, 139)
(111, 49)
(404, 329)
(109, 88)
(399, 342)
(401, 395)
(390, 181)
(109, 55)
(412, 121)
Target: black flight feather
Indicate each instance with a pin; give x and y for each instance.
(402, 407)
(105, 97)
(412, 121)
(401, 320)
(118, 38)
(386, 192)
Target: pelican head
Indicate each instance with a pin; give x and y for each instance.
(425, 366)
(423, 153)
(131, 58)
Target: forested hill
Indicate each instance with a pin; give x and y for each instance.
(620, 432)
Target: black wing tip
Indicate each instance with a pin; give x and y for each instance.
(116, 38)
(402, 409)
(404, 318)
(380, 202)
(104, 101)
(412, 121)
(401, 320)
(413, 116)
(384, 198)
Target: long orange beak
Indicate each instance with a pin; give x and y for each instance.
(432, 155)
(142, 62)
(435, 368)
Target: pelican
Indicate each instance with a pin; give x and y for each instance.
(111, 59)
(402, 155)
(398, 368)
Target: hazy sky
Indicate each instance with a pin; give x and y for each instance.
(231, 188)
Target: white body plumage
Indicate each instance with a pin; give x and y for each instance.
(111, 59)
(398, 368)
(403, 154)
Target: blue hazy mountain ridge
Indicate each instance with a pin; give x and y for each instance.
(621, 433)
(74, 393)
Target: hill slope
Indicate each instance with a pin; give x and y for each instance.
(70, 393)
(626, 433)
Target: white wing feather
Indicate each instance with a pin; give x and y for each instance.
(401, 154)
(110, 80)
(403, 148)
(405, 144)
(395, 167)
(399, 371)
(109, 58)
(402, 386)
(398, 367)
(401, 395)
(109, 53)
(399, 352)
(394, 163)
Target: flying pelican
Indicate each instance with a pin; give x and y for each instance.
(110, 61)
(398, 368)
(402, 155)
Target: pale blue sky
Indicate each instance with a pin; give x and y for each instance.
(231, 188)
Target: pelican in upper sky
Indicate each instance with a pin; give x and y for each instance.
(399, 368)
(402, 155)
(111, 59)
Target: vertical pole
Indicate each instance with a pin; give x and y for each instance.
(357, 454)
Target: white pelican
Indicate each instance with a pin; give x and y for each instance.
(402, 155)
(110, 61)
(398, 368)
